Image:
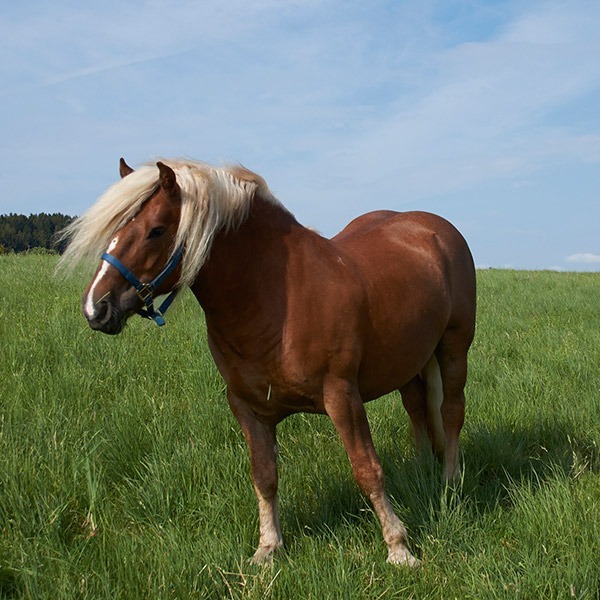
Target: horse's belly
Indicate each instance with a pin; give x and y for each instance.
(392, 355)
(383, 375)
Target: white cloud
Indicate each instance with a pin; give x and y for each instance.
(585, 258)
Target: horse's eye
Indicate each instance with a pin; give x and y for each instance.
(155, 232)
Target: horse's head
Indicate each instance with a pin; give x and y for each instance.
(140, 262)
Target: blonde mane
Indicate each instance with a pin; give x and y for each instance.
(212, 199)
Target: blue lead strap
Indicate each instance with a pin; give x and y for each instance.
(145, 291)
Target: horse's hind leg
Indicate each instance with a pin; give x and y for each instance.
(452, 358)
(422, 398)
(415, 402)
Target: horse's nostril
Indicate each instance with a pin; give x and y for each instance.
(102, 312)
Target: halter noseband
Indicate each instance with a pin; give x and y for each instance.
(145, 291)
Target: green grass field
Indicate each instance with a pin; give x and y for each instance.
(123, 474)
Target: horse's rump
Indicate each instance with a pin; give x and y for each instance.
(418, 278)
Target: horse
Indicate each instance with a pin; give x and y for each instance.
(295, 322)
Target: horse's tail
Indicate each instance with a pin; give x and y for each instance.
(435, 397)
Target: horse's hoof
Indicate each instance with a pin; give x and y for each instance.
(264, 555)
(401, 556)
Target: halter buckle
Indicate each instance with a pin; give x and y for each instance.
(145, 293)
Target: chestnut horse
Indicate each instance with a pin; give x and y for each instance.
(296, 322)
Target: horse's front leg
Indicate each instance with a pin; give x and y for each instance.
(262, 443)
(345, 408)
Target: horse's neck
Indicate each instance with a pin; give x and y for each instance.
(241, 287)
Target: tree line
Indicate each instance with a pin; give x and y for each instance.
(19, 233)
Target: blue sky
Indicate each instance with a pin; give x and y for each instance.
(486, 112)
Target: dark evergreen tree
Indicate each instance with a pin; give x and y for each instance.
(19, 233)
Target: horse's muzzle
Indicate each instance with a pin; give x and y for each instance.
(106, 318)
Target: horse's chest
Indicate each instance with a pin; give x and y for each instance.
(264, 383)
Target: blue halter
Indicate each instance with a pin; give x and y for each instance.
(145, 291)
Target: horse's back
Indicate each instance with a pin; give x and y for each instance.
(402, 226)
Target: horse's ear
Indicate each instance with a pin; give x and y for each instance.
(168, 180)
(124, 168)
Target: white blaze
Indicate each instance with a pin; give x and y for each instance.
(89, 307)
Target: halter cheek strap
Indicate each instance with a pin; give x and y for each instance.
(145, 291)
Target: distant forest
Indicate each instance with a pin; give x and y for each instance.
(19, 233)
